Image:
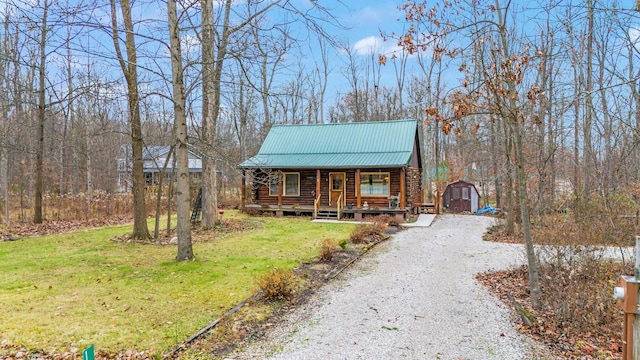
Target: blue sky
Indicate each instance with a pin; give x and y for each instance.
(363, 20)
(366, 20)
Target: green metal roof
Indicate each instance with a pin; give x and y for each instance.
(343, 145)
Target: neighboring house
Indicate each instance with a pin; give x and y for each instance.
(154, 158)
(343, 170)
(461, 196)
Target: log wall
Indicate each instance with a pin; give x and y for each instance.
(308, 188)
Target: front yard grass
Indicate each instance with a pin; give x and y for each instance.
(67, 291)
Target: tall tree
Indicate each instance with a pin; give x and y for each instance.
(183, 197)
(498, 90)
(42, 74)
(129, 68)
(211, 78)
(213, 66)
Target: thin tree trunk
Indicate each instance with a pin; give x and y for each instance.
(156, 230)
(39, 185)
(4, 96)
(587, 148)
(129, 69)
(183, 197)
(514, 123)
(494, 164)
(89, 169)
(170, 195)
(508, 183)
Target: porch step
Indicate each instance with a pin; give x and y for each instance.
(327, 214)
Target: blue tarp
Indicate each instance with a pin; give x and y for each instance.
(487, 209)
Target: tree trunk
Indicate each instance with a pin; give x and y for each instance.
(88, 173)
(508, 181)
(129, 69)
(39, 186)
(161, 176)
(209, 188)
(514, 123)
(534, 283)
(494, 164)
(587, 147)
(170, 195)
(183, 197)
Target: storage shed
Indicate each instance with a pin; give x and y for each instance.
(461, 196)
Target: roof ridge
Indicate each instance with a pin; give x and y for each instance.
(340, 152)
(349, 123)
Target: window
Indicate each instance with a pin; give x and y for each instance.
(455, 193)
(148, 178)
(273, 184)
(291, 184)
(374, 184)
(465, 193)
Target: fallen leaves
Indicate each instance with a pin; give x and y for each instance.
(19, 230)
(596, 343)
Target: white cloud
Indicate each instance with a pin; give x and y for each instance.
(634, 37)
(375, 45)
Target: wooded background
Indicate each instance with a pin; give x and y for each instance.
(574, 68)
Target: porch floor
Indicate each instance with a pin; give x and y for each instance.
(355, 213)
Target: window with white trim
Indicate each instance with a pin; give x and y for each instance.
(290, 182)
(374, 184)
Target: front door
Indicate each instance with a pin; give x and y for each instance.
(336, 188)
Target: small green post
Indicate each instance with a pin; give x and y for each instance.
(88, 353)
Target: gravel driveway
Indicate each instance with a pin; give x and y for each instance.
(412, 297)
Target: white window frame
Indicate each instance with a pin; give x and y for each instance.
(273, 181)
(364, 183)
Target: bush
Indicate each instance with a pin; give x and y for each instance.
(386, 219)
(277, 285)
(577, 284)
(326, 250)
(367, 233)
(251, 211)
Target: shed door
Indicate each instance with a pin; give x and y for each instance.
(460, 199)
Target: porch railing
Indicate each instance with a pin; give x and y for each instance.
(339, 205)
(316, 204)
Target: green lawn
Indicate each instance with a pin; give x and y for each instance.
(80, 288)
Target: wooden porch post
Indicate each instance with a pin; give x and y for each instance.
(279, 188)
(403, 177)
(318, 183)
(358, 199)
(243, 190)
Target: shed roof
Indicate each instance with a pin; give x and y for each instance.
(343, 145)
(463, 184)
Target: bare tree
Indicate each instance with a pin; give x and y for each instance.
(498, 86)
(129, 68)
(39, 186)
(183, 198)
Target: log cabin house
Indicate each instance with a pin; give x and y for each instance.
(344, 170)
